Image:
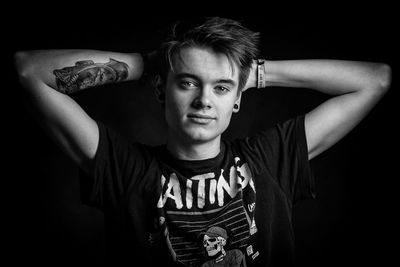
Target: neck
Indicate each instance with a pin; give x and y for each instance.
(194, 151)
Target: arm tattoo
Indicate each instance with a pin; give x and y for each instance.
(87, 74)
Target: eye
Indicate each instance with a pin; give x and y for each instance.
(222, 89)
(187, 84)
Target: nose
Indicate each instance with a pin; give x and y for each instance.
(202, 99)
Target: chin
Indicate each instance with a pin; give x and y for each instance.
(200, 135)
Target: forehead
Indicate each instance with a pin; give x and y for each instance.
(204, 63)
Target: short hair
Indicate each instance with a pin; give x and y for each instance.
(222, 35)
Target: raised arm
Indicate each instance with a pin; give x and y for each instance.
(49, 76)
(355, 86)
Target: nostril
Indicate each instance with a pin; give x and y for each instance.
(200, 103)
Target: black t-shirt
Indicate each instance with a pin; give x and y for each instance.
(161, 211)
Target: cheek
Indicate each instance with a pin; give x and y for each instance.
(176, 105)
(225, 115)
(226, 111)
(226, 119)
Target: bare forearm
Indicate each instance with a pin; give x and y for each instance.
(69, 71)
(334, 77)
(355, 88)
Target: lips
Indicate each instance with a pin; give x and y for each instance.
(200, 118)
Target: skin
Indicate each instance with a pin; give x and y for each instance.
(202, 84)
(354, 86)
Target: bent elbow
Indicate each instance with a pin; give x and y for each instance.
(384, 79)
(21, 64)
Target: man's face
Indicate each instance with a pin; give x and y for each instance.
(200, 95)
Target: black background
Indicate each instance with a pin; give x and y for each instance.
(352, 221)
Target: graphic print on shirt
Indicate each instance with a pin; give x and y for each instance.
(188, 207)
(214, 241)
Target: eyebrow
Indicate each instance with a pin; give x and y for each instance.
(193, 76)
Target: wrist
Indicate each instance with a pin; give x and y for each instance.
(261, 73)
(150, 68)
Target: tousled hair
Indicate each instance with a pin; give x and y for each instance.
(222, 35)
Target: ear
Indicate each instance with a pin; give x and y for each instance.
(223, 242)
(159, 88)
(236, 106)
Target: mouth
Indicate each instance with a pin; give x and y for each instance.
(200, 118)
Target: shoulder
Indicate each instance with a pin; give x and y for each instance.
(271, 135)
(116, 145)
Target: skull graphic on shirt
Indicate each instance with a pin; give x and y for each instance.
(214, 245)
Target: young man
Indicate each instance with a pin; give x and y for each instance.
(199, 200)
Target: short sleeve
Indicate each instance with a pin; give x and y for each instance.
(281, 152)
(118, 165)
